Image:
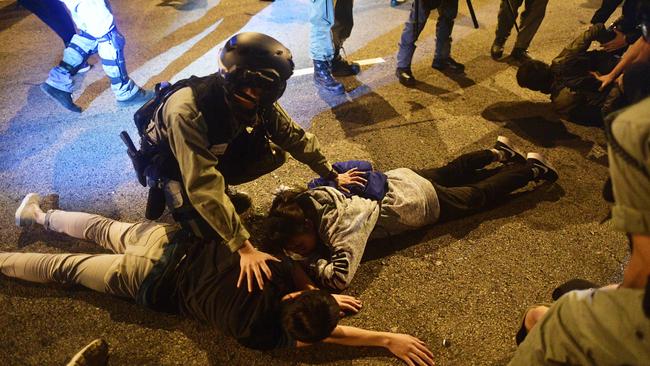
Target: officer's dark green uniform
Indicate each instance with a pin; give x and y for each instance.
(204, 148)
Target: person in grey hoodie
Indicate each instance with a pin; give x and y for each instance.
(328, 228)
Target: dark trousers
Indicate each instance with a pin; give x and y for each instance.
(531, 19)
(462, 192)
(447, 11)
(54, 14)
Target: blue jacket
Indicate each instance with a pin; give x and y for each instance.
(375, 188)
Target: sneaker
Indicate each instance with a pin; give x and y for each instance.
(241, 200)
(139, 98)
(496, 51)
(94, 354)
(542, 168)
(405, 76)
(512, 155)
(343, 67)
(61, 97)
(448, 64)
(324, 80)
(520, 54)
(26, 212)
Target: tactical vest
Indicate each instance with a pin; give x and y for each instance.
(209, 96)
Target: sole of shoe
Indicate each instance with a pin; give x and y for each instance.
(542, 161)
(504, 141)
(29, 199)
(95, 353)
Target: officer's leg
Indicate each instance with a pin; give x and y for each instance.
(447, 11)
(59, 82)
(506, 20)
(321, 46)
(321, 17)
(96, 18)
(410, 33)
(52, 13)
(531, 19)
(246, 168)
(343, 22)
(111, 51)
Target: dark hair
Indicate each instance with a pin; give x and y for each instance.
(534, 75)
(287, 218)
(311, 316)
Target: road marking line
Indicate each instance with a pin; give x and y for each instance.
(370, 61)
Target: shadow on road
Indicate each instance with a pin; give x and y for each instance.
(538, 123)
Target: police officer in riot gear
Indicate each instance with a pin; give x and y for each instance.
(203, 134)
(97, 33)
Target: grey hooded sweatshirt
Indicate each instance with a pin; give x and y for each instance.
(346, 224)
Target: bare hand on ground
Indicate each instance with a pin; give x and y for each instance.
(252, 263)
(348, 304)
(410, 350)
(351, 177)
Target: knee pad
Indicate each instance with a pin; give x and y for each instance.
(116, 40)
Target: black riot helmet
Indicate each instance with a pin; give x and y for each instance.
(255, 60)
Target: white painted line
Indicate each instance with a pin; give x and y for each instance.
(310, 70)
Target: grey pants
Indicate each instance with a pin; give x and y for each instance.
(447, 11)
(531, 19)
(136, 248)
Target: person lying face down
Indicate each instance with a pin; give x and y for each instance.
(164, 268)
(573, 89)
(329, 229)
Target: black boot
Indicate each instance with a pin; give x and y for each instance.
(343, 67)
(496, 51)
(61, 97)
(324, 80)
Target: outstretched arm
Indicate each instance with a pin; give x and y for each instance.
(405, 347)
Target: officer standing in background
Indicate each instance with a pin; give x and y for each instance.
(420, 10)
(97, 30)
(531, 19)
(226, 128)
(331, 24)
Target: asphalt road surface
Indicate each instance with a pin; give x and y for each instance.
(467, 281)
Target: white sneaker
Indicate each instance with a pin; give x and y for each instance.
(543, 169)
(26, 212)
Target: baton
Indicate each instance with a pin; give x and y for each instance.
(416, 3)
(513, 14)
(472, 14)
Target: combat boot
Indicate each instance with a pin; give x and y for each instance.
(343, 67)
(324, 80)
(61, 97)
